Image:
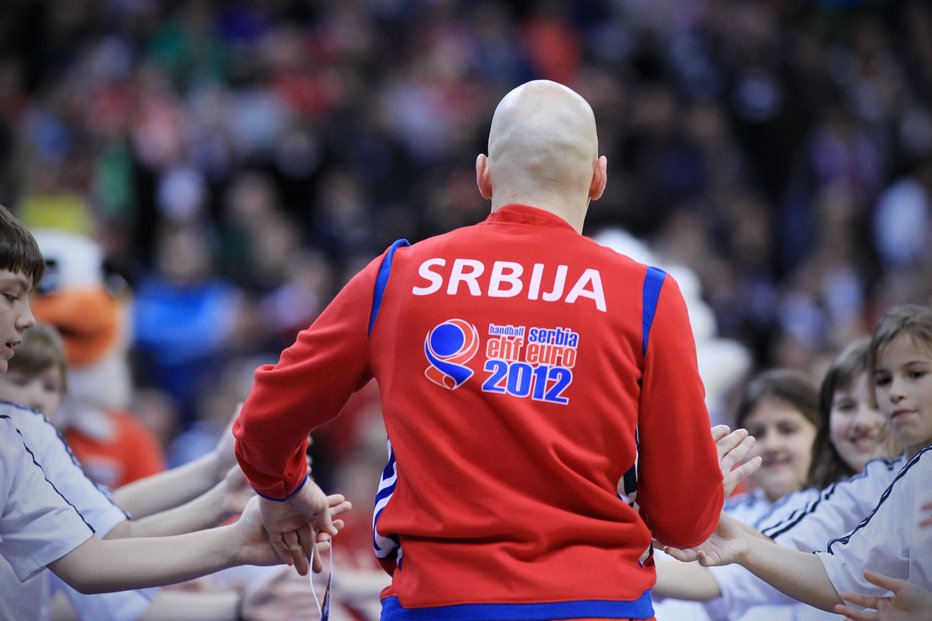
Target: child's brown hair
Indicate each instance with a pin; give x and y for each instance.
(19, 251)
(847, 367)
(794, 388)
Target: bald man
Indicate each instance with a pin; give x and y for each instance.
(532, 384)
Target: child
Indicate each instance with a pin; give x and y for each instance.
(851, 433)
(36, 378)
(852, 430)
(780, 409)
(39, 527)
(888, 539)
(21, 266)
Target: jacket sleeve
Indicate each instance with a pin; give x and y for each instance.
(680, 492)
(308, 386)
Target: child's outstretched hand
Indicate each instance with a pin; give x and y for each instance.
(728, 544)
(909, 602)
(236, 491)
(253, 543)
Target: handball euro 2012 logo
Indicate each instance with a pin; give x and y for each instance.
(448, 347)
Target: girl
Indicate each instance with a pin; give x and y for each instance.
(780, 410)
(851, 432)
(885, 535)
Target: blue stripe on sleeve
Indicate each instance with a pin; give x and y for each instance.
(653, 281)
(381, 281)
(286, 498)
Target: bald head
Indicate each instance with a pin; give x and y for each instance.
(543, 147)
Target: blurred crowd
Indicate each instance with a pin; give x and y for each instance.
(238, 160)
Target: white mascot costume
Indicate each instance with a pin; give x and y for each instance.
(91, 310)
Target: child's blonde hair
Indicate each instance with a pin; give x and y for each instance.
(42, 349)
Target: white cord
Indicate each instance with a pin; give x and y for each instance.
(323, 608)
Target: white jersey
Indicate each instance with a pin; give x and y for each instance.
(805, 521)
(889, 540)
(94, 505)
(837, 509)
(38, 524)
(62, 468)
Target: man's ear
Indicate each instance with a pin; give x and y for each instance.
(483, 179)
(599, 178)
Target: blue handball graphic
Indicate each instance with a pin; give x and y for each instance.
(447, 339)
(448, 347)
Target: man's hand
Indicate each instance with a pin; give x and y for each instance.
(295, 525)
(252, 545)
(909, 602)
(733, 448)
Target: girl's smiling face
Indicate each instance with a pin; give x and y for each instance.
(784, 438)
(903, 385)
(858, 430)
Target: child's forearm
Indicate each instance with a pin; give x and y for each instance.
(686, 581)
(205, 511)
(171, 488)
(800, 575)
(112, 565)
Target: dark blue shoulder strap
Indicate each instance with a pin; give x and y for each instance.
(381, 281)
(653, 281)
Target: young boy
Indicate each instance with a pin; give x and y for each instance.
(36, 379)
(40, 528)
(21, 267)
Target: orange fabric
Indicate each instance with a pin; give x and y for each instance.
(132, 453)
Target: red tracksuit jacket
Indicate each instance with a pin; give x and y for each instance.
(527, 375)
